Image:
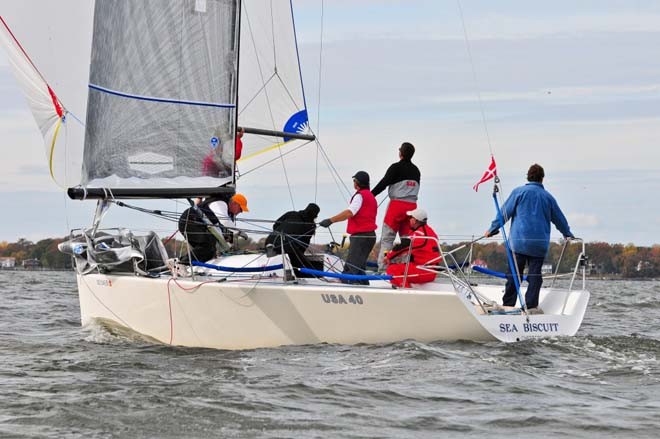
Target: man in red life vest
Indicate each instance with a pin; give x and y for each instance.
(420, 248)
(402, 183)
(213, 166)
(361, 216)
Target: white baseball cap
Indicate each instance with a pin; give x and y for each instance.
(418, 214)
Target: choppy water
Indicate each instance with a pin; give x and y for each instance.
(58, 380)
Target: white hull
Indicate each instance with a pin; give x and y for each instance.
(246, 314)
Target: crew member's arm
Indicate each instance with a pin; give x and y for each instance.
(559, 220)
(385, 181)
(507, 212)
(356, 204)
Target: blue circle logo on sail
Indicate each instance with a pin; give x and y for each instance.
(296, 124)
(214, 142)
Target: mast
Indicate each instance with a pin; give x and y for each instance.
(237, 35)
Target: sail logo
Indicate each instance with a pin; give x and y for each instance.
(151, 163)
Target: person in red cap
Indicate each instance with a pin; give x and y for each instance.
(361, 216)
(402, 183)
(420, 248)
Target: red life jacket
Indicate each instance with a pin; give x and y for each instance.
(365, 218)
(424, 250)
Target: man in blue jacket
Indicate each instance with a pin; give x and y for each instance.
(531, 209)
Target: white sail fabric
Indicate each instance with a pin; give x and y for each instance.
(162, 100)
(166, 146)
(57, 124)
(270, 87)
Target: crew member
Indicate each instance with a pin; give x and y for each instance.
(420, 248)
(361, 216)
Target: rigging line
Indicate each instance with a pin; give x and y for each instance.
(318, 108)
(272, 32)
(333, 172)
(245, 105)
(286, 89)
(316, 175)
(474, 76)
(270, 110)
(274, 159)
(261, 69)
(332, 168)
(318, 105)
(263, 151)
(286, 177)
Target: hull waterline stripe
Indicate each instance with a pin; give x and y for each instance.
(163, 100)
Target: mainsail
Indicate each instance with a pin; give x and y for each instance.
(162, 93)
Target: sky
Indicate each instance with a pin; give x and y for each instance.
(573, 86)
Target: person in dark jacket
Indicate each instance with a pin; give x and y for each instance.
(292, 233)
(212, 222)
(402, 183)
(531, 209)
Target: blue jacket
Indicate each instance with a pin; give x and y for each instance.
(531, 209)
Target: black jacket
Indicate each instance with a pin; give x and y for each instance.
(297, 228)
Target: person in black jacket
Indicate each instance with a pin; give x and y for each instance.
(292, 233)
(402, 182)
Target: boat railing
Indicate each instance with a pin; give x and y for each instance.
(580, 264)
(447, 264)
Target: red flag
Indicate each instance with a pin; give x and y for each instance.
(490, 173)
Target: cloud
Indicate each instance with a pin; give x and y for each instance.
(582, 220)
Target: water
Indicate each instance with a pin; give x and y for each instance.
(58, 380)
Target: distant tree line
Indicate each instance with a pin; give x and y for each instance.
(603, 259)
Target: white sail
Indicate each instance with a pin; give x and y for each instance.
(48, 54)
(271, 92)
(131, 136)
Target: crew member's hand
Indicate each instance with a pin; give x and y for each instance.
(490, 233)
(325, 223)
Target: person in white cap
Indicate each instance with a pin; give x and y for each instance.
(420, 248)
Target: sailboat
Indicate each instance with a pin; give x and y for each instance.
(171, 82)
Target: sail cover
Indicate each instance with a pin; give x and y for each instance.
(163, 83)
(271, 92)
